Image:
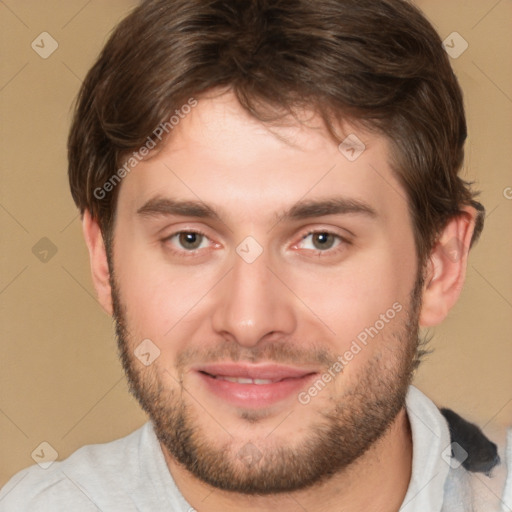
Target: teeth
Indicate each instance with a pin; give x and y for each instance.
(245, 380)
(262, 381)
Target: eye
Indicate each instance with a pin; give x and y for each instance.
(188, 240)
(321, 241)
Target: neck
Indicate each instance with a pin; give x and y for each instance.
(377, 481)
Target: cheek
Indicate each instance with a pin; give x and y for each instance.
(353, 296)
(172, 302)
(161, 300)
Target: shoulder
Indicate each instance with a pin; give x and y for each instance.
(478, 466)
(468, 490)
(456, 467)
(85, 476)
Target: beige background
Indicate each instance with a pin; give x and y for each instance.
(60, 380)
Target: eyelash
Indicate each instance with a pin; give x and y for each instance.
(191, 254)
(329, 252)
(319, 253)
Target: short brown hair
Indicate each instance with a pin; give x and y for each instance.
(377, 63)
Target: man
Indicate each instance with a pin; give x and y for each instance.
(271, 202)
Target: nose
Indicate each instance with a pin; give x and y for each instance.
(253, 303)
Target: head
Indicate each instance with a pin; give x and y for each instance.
(314, 149)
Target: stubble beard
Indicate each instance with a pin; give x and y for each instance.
(340, 435)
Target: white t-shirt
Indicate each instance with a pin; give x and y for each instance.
(130, 474)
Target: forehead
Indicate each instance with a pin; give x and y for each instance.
(220, 155)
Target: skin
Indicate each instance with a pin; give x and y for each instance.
(217, 305)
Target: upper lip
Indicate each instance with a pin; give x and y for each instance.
(269, 371)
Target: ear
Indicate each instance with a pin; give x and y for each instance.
(446, 268)
(99, 263)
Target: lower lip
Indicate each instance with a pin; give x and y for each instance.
(255, 395)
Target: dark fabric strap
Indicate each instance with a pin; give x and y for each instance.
(478, 454)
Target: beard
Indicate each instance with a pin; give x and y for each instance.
(342, 431)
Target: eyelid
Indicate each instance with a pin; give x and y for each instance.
(312, 231)
(195, 252)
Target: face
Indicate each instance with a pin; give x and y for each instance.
(274, 281)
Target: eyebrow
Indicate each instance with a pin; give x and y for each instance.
(159, 206)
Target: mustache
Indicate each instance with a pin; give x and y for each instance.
(276, 352)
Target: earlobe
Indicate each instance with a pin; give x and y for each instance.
(98, 260)
(446, 268)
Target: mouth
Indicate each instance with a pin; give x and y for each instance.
(244, 380)
(253, 385)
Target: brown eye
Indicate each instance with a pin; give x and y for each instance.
(323, 240)
(320, 241)
(186, 241)
(190, 240)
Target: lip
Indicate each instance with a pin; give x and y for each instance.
(286, 380)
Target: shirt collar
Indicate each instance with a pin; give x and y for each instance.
(431, 453)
